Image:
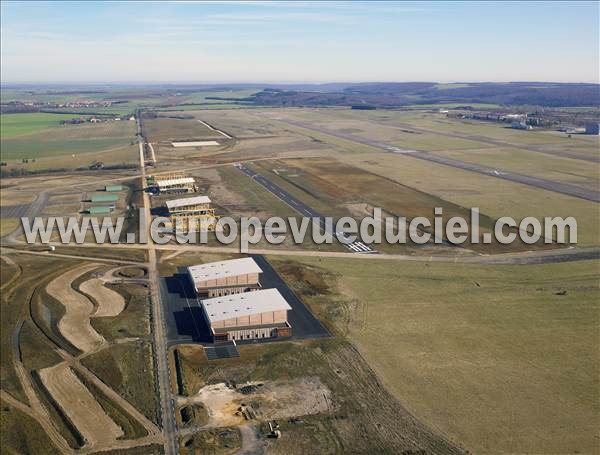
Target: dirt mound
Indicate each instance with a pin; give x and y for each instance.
(109, 302)
(75, 324)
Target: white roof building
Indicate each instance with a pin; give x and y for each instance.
(242, 305)
(223, 269)
(165, 183)
(196, 200)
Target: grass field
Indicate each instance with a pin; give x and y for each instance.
(330, 186)
(18, 124)
(133, 321)
(495, 357)
(557, 169)
(221, 441)
(494, 197)
(167, 127)
(7, 225)
(22, 434)
(66, 140)
(70, 146)
(128, 369)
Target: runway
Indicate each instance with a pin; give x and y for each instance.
(305, 210)
(562, 188)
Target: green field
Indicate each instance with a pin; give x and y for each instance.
(503, 359)
(17, 124)
(70, 146)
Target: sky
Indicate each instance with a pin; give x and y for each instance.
(224, 42)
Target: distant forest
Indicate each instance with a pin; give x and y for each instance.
(403, 94)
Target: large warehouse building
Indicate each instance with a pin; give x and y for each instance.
(215, 279)
(193, 213)
(248, 316)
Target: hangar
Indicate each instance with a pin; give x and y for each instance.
(193, 213)
(173, 183)
(248, 316)
(216, 279)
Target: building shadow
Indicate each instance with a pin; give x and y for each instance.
(159, 211)
(190, 322)
(180, 284)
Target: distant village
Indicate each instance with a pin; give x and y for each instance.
(99, 119)
(13, 107)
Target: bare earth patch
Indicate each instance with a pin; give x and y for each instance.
(80, 406)
(269, 400)
(75, 324)
(110, 303)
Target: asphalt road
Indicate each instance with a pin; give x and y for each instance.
(549, 258)
(562, 188)
(34, 209)
(163, 376)
(14, 211)
(303, 321)
(305, 210)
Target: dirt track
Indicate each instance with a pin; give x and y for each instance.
(80, 406)
(75, 324)
(110, 303)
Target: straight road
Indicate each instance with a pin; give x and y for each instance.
(562, 188)
(526, 257)
(305, 210)
(159, 331)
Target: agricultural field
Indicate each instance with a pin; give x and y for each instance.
(18, 124)
(499, 358)
(69, 146)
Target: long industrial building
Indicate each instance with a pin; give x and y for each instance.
(216, 279)
(194, 213)
(173, 183)
(247, 316)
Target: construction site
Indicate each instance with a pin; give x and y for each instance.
(171, 183)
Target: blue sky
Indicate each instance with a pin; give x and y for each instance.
(298, 41)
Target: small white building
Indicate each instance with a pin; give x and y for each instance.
(247, 316)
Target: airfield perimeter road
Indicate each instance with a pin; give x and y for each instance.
(304, 210)
(527, 257)
(563, 188)
(159, 330)
(34, 209)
